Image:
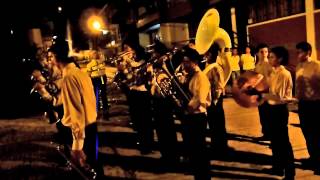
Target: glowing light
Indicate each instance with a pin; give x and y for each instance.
(95, 24)
(104, 32)
(59, 8)
(11, 31)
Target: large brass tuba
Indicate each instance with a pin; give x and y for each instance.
(209, 32)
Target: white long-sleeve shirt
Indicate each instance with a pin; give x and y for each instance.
(79, 103)
(308, 80)
(280, 86)
(199, 86)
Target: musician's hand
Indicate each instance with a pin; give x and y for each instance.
(38, 86)
(78, 157)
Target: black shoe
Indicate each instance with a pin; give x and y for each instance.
(274, 171)
(289, 174)
(263, 138)
(307, 163)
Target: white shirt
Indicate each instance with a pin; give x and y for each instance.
(215, 75)
(235, 63)
(308, 80)
(280, 86)
(199, 86)
(248, 62)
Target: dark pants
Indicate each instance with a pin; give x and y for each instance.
(264, 119)
(100, 89)
(90, 148)
(140, 113)
(280, 144)
(165, 128)
(310, 125)
(217, 125)
(194, 127)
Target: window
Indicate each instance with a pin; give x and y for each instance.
(316, 4)
(262, 10)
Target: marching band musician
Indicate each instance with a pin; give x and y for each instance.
(195, 122)
(96, 70)
(308, 94)
(49, 87)
(216, 73)
(138, 96)
(280, 91)
(163, 111)
(263, 67)
(79, 105)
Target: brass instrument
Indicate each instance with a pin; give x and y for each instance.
(169, 85)
(46, 88)
(209, 32)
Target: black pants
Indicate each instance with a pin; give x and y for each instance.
(310, 125)
(217, 125)
(100, 85)
(280, 144)
(165, 128)
(90, 148)
(264, 119)
(194, 127)
(140, 113)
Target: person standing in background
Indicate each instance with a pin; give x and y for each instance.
(96, 70)
(247, 61)
(308, 94)
(235, 67)
(263, 67)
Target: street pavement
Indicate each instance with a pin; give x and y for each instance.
(26, 152)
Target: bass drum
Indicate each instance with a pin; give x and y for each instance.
(248, 89)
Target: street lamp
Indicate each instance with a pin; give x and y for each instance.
(95, 24)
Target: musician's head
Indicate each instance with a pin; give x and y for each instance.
(160, 48)
(134, 46)
(248, 50)
(279, 56)
(262, 51)
(304, 51)
(60, 50)
(234, 51)
(212, 54)
(191, 59)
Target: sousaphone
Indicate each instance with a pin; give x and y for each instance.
(209, 32)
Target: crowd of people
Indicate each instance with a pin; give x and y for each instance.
(179, 84)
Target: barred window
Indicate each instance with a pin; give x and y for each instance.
(262, 10)
(316, 4)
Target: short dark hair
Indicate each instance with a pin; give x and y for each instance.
(192, 54)
(262, 45)
(304, 46)
(61, 50)
(281, 53)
